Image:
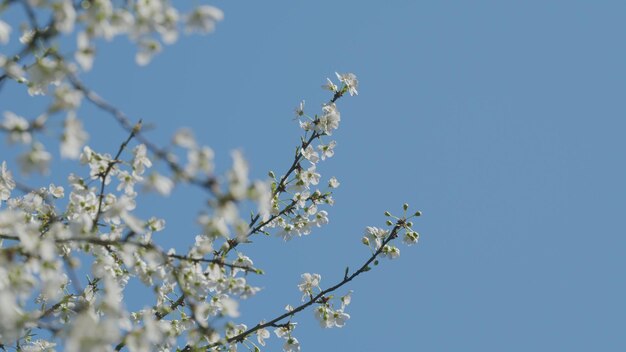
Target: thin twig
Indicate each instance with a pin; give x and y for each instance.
(315, 299)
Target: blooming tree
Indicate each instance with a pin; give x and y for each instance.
(47, 232)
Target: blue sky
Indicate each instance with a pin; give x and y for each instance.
(503, 121)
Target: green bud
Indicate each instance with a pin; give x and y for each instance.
(376, 262)
(409, 224)
(387, 213)
(405, 206)
(389, 223)
(418, 213)
(271, 174)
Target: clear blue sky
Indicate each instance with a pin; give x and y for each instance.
(503, 121)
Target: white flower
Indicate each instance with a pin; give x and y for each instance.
(310, 154)
(300, 109)
(309, 176)
(90, 332)
(261, 335)
(390, 252)
(86, 51)
(301, 198)
(306, 125)
(229, 307)
(375, 236)
(121, 21)
(66, 98)
(11, 316)
(141, 159)
(329, 121)
(64, 16)
(321, 218)
(291, 345)
(6, 183)
(238, 175)
(345, 300)
(410, 238)
(167, 25)
(262, 194)
(159, 183)
(5, 32)
(12, 69)
(56, 192)
(349, 79)
(284, 331)
(339, 318)
(44, 72)
(18, 128)
(330, 85)
(308, 283)
(203, 19)
(39, 346)
(200, 159)
(184, 138)
(327, 149)
(37, 159)
(74, 137)
(147, 49)
(333, 182)
(330, 318)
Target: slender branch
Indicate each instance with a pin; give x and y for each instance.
(315, 299)
(106, 173)
(124, 121)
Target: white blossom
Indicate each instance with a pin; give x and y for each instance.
(310, 154)
(74, 137)
(184, 138)
(308, 283)
(5, 32)
(203, 19)
(159, 183)
(330, 85)
(64, 16)
(43, 73)
(147, 48)
(300, 109)
(18, 128)
(333, 182)
(262, 335)
(291, 345)
(6, 183)
(66, 98)
(85, 52)
(410, 238)
(327, 149)
(36, 159)
(329, 121)
(351, 82)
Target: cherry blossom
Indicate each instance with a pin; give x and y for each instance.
(70, 250)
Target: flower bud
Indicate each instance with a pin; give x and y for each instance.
(409, 224)
(389, 223)
(405, 206)
(387, 213)
(418, 213)
(365, 241)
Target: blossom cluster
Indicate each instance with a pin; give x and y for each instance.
(51, 236)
